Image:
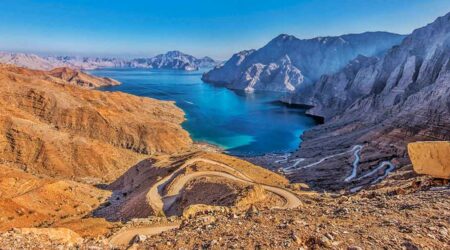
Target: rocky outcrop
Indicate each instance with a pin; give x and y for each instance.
(431, 158)
(78, 78)
(171, 60)
(49, 126)
(288, 63)
(380, 104)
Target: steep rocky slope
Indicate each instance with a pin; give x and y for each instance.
(287, 63)
(380, 105)
(170, 60)
(48, 126)
(27, 200)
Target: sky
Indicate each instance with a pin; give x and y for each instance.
(214, 28)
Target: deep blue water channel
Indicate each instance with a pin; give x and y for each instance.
(241, 123)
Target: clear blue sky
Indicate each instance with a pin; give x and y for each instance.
(200, 27)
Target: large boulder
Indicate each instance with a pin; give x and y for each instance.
(431, 158)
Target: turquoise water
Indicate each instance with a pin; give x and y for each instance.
(240, 123)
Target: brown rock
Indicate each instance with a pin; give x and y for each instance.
(60, 130)
(431, 158)
(78, 78)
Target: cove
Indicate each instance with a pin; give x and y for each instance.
(242, 124)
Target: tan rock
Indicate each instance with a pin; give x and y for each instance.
(431, 158)
(62, 235)
(78, 78)
(194, 210)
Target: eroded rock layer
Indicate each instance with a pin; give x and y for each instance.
(49, 126)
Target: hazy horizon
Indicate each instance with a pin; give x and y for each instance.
(215, 29)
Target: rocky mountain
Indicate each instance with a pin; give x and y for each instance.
(51, 125)
(30, 61)
(287, 63)
(374, 107)
(87, 63)
(171, 60)
(88, 169)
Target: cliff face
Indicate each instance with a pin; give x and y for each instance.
(381, 104)
(287, 63)
(49, 126)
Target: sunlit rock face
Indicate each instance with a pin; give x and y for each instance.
(287, 63)
(431, 158)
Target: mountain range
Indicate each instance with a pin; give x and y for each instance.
(380, 103)
(171, 60)
(375, 91)
(287, 63)
(88, 169)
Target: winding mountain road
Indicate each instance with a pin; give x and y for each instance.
(356, 152)
(294, 167)
(124, 237)
(161, 204)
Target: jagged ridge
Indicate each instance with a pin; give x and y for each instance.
(287, 63)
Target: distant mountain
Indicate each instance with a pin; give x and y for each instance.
(381, 104)
(30, 61)
(287, 63)
(87, 63)
(171, 60)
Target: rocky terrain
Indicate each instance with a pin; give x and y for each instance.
(171, 60)
(404, 211)
(78, 162)
(85, 169)
(287, 63)
(431, 158)
(372, 109)
(51, 127)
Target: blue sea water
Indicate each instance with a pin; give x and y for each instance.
(241, 123)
